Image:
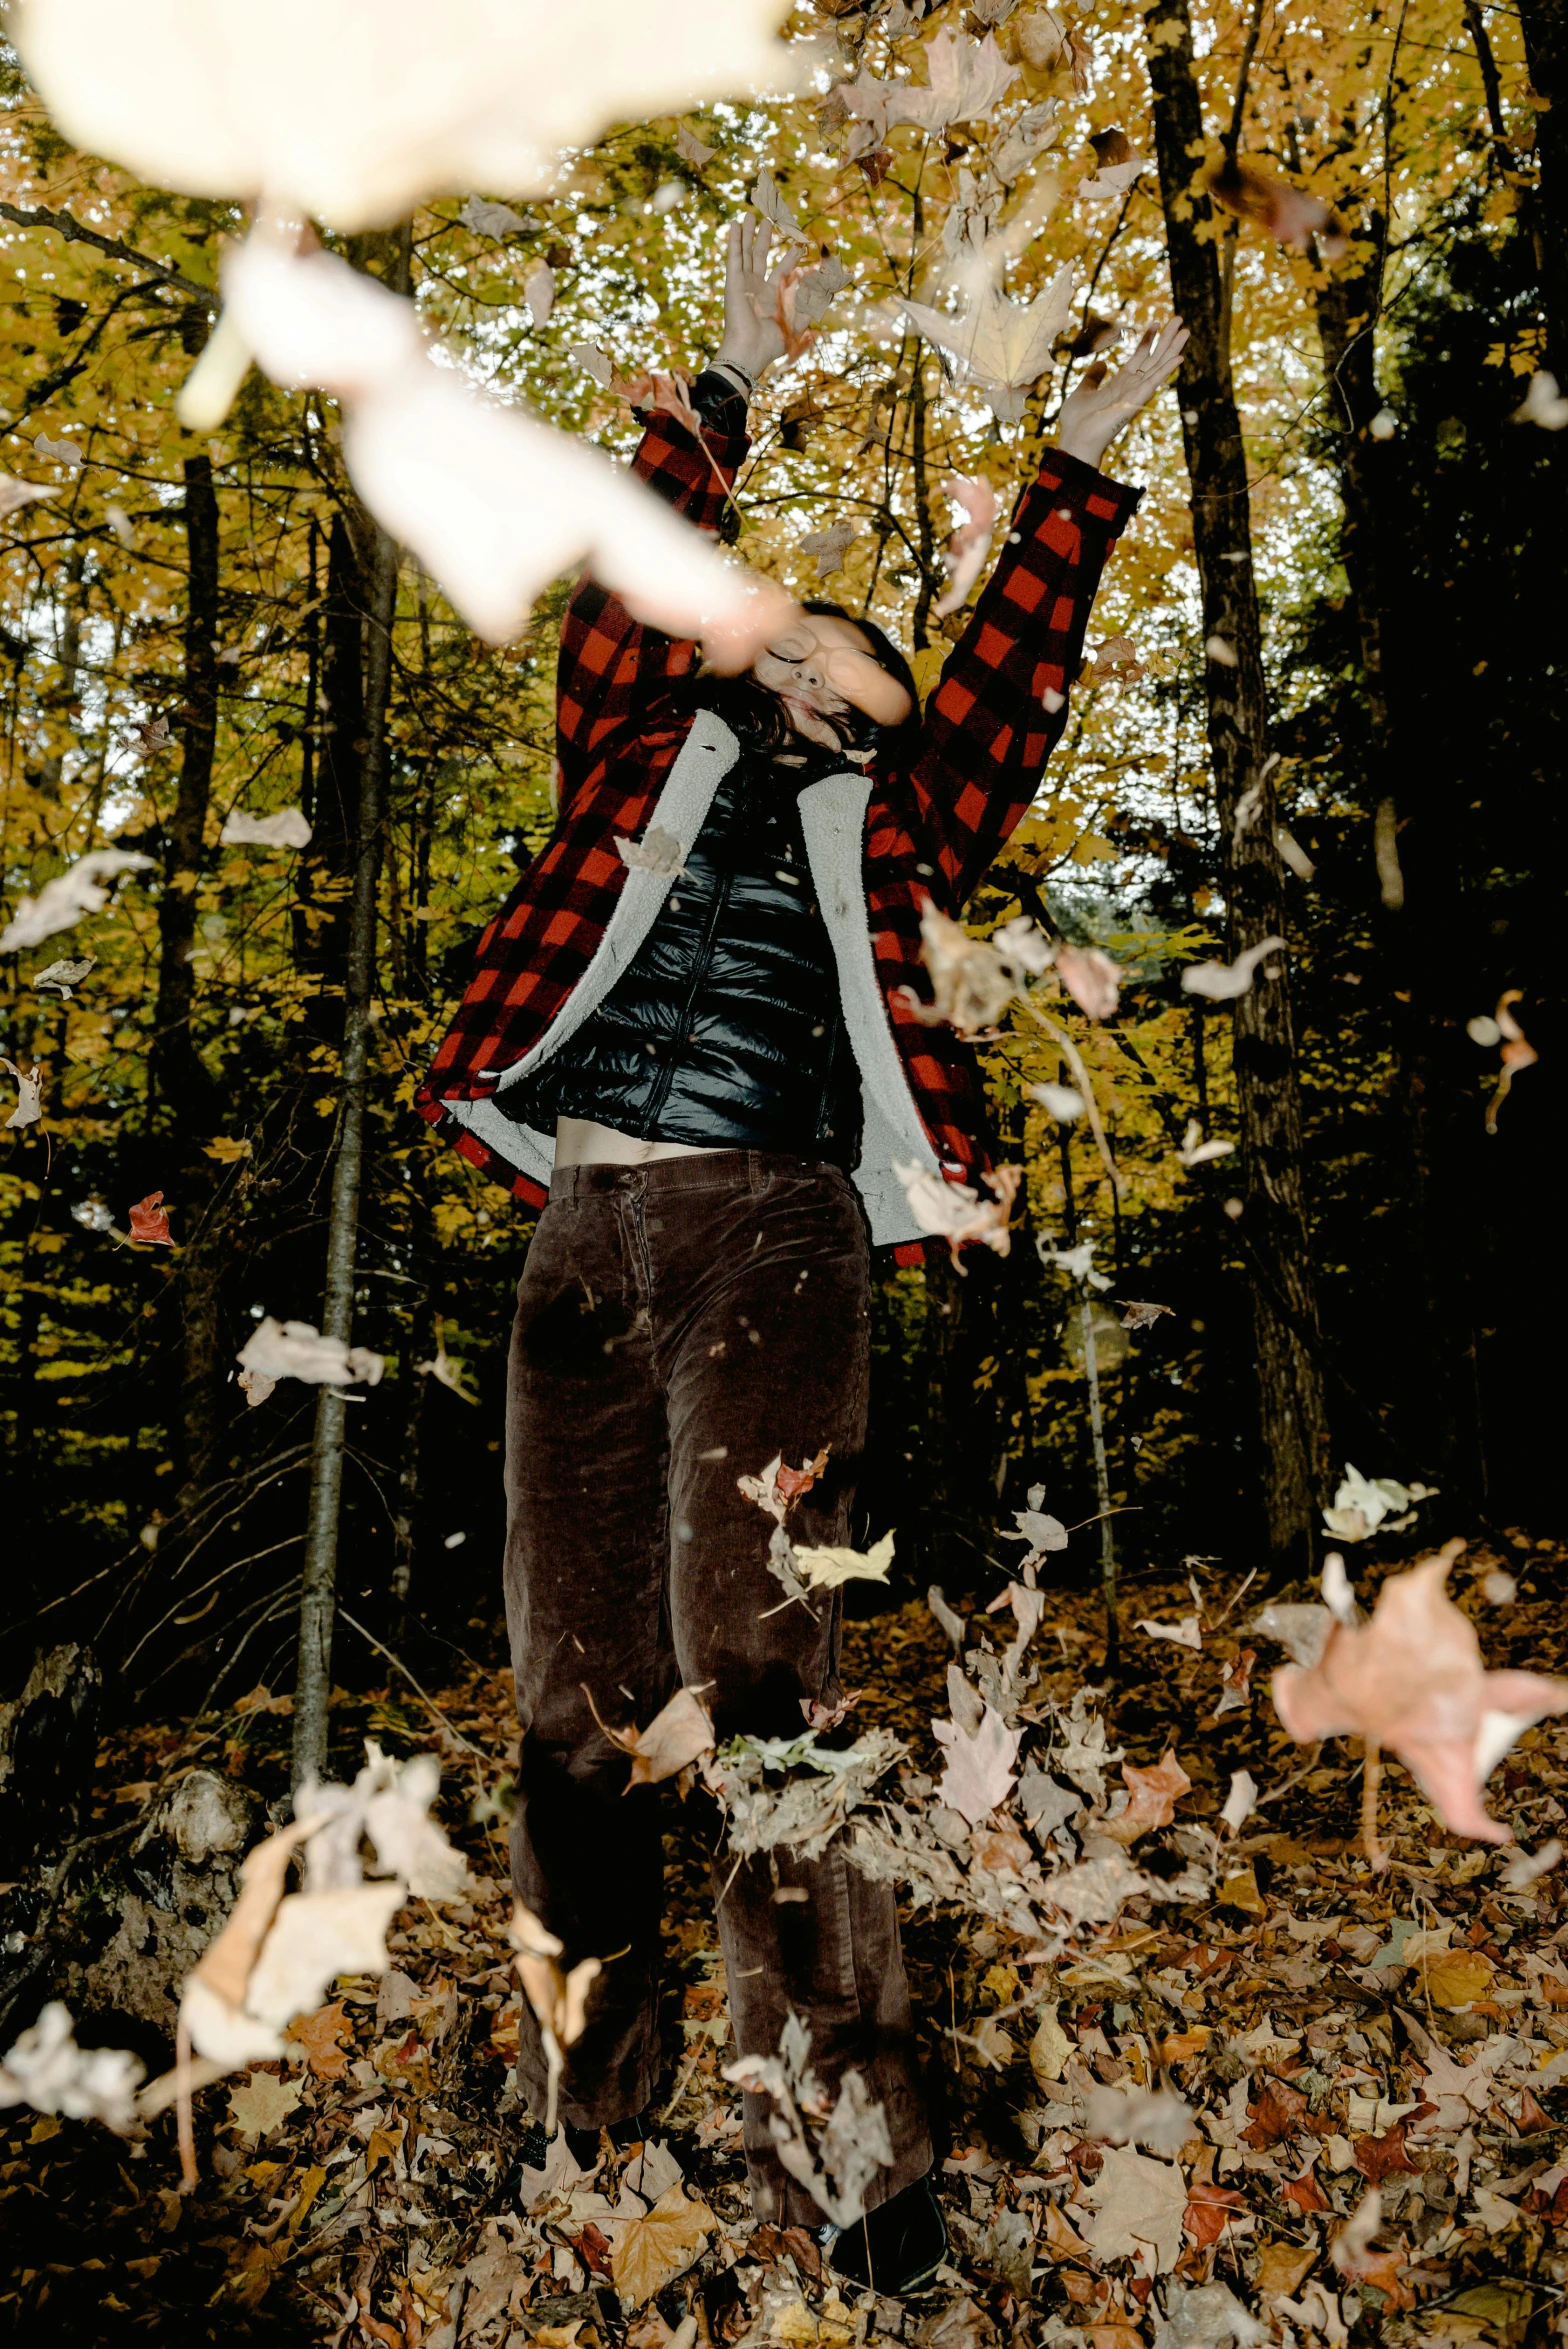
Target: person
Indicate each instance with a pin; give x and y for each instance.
(686, 1039)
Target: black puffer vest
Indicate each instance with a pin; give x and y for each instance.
(726, 1030)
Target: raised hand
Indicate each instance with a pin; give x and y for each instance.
(753, 331)
(1098, 407)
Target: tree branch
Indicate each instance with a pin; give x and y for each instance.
(75, 233)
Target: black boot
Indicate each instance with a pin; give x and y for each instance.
(582, 2144)
(896, 2248)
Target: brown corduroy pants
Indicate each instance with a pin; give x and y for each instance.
(677, 1325)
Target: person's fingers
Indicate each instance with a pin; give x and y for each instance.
(764, 242)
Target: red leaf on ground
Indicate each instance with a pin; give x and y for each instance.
(1279, 2111)
(1378, 2158)
(593, 2249)
(1305, 2192)
(1209, 2210)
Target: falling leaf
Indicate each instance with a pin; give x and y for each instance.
(152, 737)
(1412, 1680)
(60, 452)
(956, 1212)
(1241, 1801)
(287, 829)
(94, 1215)
(493, 503)
(64, 975)
(1138, 2116)
(1091, 979)
(827, 548)
(1195, 1151)
(979, 1771)
(828, 1567)
(966, 78)
(1517, 1054)
(68, 896)
(45, 2069)
(1064, 1102)
(971, 541)
(690, 148)
(1221, 651)
(491, 220)
(263, 2103)
(220, 107)
(1287, 214)
(1361, 1504)
(1005, 345)
(1117, 657)
(539, 293)
(29, 1094)
(675, 1736)
(657, 852)
(1543, 403)
(227, 1149)
(812, 293)
(1235, 1684)
(650, 2252)
(1188, 1633)
(1155, 1793)
(1140, 1314)
(1117, 165)
(767, 201)
(119, 522)
(255, 1386)
(1222, 980)
(971, 985)
(296, 1349)
(1140, 2205)
(149, 1222)
(15, 494)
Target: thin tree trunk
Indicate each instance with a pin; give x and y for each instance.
(1293, 1421)
(1545, 27)
(178, 1075)
(318, 1594)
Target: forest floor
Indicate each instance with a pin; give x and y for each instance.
(1330, 2028)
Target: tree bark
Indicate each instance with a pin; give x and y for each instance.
(1293, 1421)
(178, 1075)
(318, 1594)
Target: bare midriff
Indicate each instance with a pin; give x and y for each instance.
(581, 1141)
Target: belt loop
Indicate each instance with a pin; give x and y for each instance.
(757, 1173)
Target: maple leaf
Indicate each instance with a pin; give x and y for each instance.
(1277, 2111)
(1220, 981)
(1005, 345)
(1155, 1793)
(657, 852)
(1140, 1314)
(212, 107)
(971, 541)
(825, 1568)
(1140, 2205)
(1188, 1633)
(979, 1771)
(827, 548)
(1378, 2158)
(1412, 1680)
(263, 2103)
(1288, 214)
(1306, 2194)
(288, 829)
(1282, 2267)
(1210, 2210)
(149, 1222)
(559, 1998)
(64, 975)
(958, 1213)
(676, 1735)
(808, 294)
(322, 2035)
(68, 896)
(491, 220)
(691, 149)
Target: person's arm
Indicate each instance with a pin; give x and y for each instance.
(1001, 704)
(612, 666)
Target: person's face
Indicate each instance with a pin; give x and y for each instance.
(823, 667)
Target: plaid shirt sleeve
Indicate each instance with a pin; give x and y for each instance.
(989, 727)
(612, 667)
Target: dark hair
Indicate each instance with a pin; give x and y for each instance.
(757, 716)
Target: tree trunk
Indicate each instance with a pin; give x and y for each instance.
(318, 1594)
(1545, 27)
(178, 1075)
(1293, 1421)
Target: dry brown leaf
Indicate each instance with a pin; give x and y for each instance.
(1283, 2266)
(1285, 213)
(971, 541)
(1412, 1681)
(1155, 1793)
(323, 2036)
(651, 2252)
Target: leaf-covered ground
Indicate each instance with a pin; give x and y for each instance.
(1328, 2028)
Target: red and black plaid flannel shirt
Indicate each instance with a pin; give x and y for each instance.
(933, 826)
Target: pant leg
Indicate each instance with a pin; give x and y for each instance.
(587, 1541)
(761, 1309)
